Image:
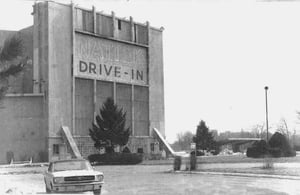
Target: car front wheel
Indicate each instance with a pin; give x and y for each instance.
(97, 192)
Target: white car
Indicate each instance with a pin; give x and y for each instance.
(74, 175)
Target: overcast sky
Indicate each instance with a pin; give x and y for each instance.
(218, 57)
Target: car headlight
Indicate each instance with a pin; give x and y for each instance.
(99, 177)
(58, 179)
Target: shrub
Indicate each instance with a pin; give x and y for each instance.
(126, 150)
(258, 150)
(280, 142)
(254, 152)
(276, 152)
(297, 147)
(155, 157)
(115, 159)
(278, 146)
(199, 153)
(215, 152)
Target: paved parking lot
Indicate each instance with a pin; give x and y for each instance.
(157, 179)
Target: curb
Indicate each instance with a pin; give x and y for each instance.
(24, 165)
(241, 174)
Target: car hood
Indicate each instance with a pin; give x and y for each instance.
(75, 173)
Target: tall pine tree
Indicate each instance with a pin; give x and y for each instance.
(110, 130)
(204, 139)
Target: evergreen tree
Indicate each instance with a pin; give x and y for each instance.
(11, 62)
(204, 139)
(110, 129)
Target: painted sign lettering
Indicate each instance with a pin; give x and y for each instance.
(110, 60)
(110, 71)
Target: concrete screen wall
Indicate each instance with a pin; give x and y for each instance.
(80, 58)
(92, 56)
(23, 134)
(156, 81)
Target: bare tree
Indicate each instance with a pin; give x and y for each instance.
(258, 130)
(282, 128)
(183, 141)
(298, 115)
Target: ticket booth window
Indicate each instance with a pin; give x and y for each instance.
(152, 147)
(55, 149)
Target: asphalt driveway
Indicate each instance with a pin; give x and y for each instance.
(158, 179)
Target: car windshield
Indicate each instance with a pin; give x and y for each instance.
(71, 165)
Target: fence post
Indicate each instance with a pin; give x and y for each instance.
(193, 157)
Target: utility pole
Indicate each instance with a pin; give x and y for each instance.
(267, 123)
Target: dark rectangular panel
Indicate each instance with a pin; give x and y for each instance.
(104, 90)
(141, 93)
(84, 105)
(123, 91)
(123, 96)
(141, 128)
(124, 30)
(104, 25)
(141, 34)
(87, 21)
(141, 111)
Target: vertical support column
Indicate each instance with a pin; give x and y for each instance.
(94, 20)
(95, 99)
(36, 37)
(115, 92)
(132, 110)
(73, 68)
(115, 28)
(148, 31)
(136, 33)
(149, 122)
(148, 52)
(132, 29)
(43, 69)
(148, 77)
